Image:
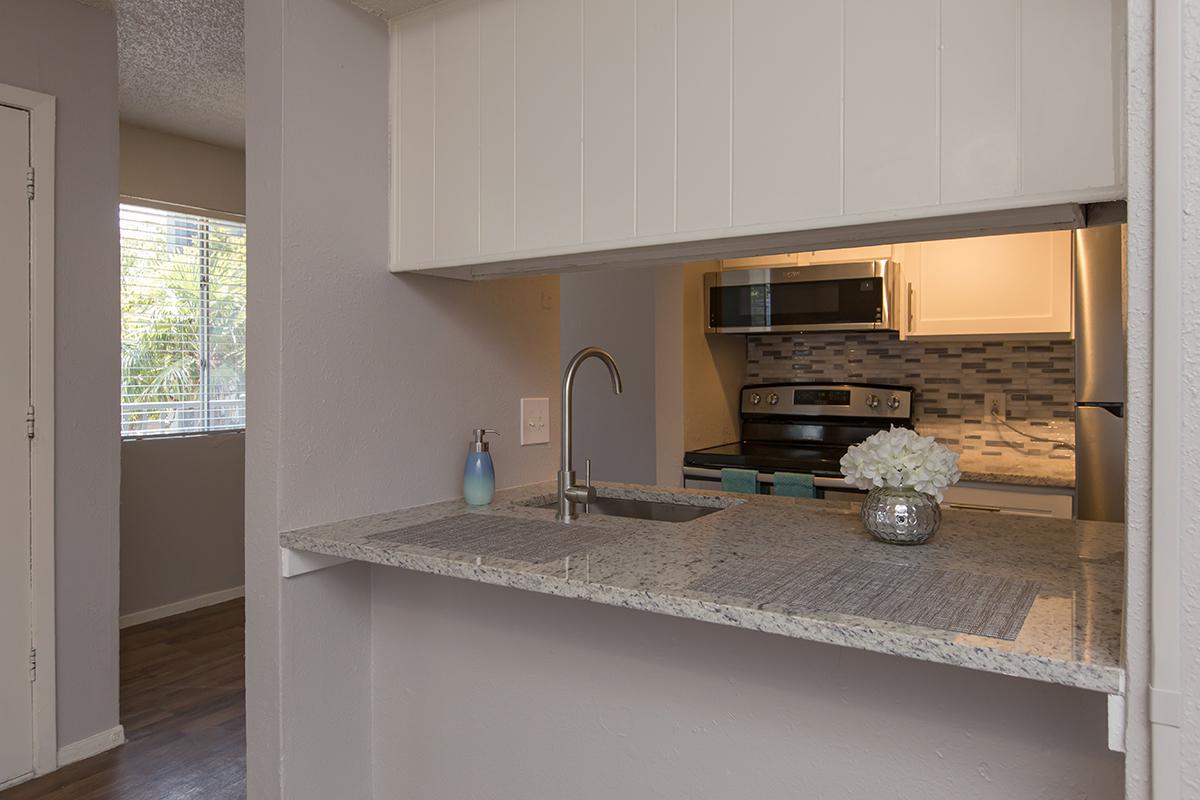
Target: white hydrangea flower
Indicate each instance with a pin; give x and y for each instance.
(902, 459)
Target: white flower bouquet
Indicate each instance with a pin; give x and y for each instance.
(901, 459)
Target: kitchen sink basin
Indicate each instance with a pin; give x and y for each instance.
(645, 509)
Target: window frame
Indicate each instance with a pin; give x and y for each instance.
(203, 322)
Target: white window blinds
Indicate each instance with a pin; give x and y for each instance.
(183, 323)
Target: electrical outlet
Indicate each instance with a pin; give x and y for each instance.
(995, 407)
(535, 420)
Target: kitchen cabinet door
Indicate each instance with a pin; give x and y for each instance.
(549, 131)
(497, 126)
(413, 180)
(787, 125)
(456, 115)
(1071, 82)
(890, 128)
(1013, 285)
(609, 118)
(703, 109)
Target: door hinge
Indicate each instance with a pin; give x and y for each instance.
(30, 423)
(33, 664)
(29, 183)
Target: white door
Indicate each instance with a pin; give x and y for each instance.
(16, 690)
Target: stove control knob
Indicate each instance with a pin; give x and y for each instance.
(893, 402)
(773, 399)
(755, 399)
(872, 401)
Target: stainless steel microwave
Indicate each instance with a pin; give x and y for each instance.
(856, 296)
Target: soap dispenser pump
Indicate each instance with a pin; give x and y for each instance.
(479, 476)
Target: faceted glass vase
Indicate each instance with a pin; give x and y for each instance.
(900, 516)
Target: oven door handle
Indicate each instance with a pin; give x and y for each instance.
(763, 477)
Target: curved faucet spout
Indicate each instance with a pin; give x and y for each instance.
(566, 475)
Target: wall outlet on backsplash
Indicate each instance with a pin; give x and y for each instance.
(995, 407)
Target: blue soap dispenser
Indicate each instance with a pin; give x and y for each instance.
(479, 477)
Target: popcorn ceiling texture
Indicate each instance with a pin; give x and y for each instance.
(950, 378)
(182, 69)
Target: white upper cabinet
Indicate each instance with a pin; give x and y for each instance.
(1014, 285)
(891, 119)
(536, 135)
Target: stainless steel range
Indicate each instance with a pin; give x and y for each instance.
(802, 427)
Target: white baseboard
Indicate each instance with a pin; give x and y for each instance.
(91, 746)
(182, 606)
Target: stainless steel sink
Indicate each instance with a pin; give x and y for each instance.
(645, 509)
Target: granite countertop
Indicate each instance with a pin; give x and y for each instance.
(1018, 470)
(1071, 636)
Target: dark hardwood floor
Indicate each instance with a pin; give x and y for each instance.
(183, 705)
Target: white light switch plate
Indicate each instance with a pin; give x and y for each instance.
(535, 420)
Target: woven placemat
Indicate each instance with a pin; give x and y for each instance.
(530, 540)
(952, 600)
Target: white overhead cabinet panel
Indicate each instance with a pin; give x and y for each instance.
(1013, 285)
(979, 138)
(654, 169)
(456, 154)
(497, 126)
(787, 111)
(549, 131)
(703, 109)
(545, 135)
(891, 157)
(1072, 102)
(609, 117)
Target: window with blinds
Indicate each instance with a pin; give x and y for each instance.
(183, 323)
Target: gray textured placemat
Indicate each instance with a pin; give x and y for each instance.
(534, 541)
(965, 602)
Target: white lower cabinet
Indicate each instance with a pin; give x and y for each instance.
(1015, 285)
(997, 498)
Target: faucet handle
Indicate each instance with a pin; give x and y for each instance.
(587, 480)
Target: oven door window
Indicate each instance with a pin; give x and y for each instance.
(827, 302)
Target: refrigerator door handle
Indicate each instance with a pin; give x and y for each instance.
(1116, 409)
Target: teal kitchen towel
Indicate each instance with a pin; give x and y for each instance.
(739, 480)
(792, 484)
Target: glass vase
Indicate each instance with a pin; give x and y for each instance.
(900, 516)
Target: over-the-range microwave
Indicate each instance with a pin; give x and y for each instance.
(855, 296)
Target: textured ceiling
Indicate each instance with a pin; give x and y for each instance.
(182, 68)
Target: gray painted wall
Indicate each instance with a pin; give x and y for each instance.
(616, 311)
(364, 385)
(65, 49)
(638, 316)
(484, 691)
(182, 498)
(174, 169)
(182, 518)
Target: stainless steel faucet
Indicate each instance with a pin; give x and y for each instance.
(569, 493)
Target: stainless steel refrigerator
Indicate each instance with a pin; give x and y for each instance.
(1099, 374)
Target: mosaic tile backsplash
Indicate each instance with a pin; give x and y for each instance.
(950, 379)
